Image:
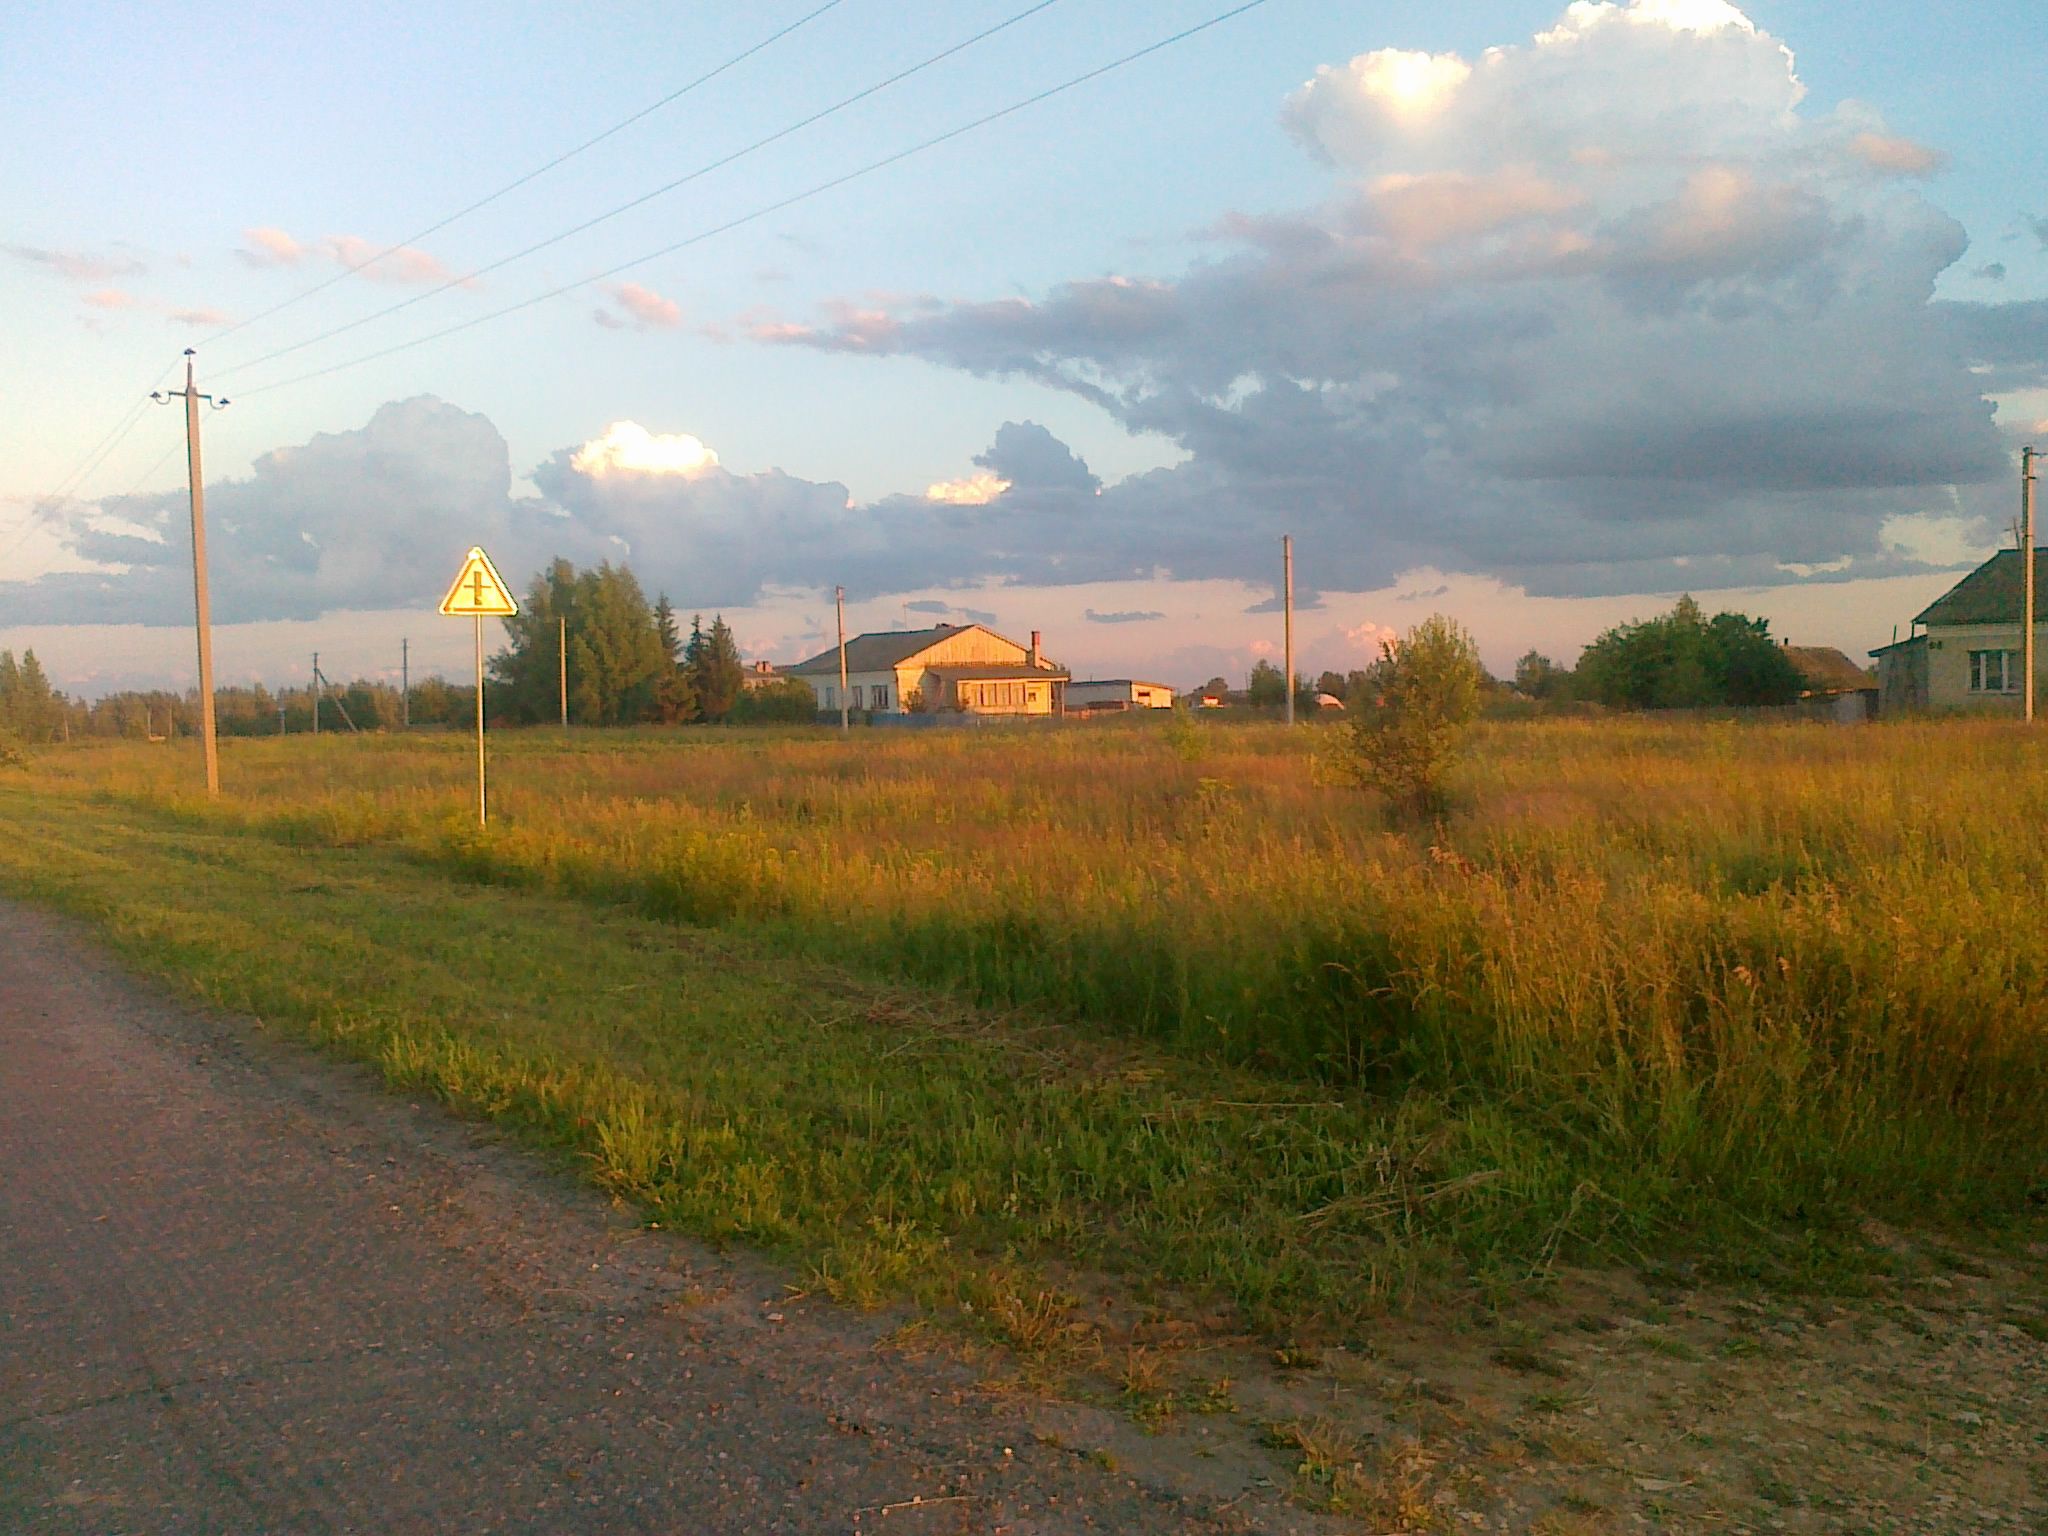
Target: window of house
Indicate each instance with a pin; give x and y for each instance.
(859, 691)
(1993, 672)
(831, 697)
(881, 695)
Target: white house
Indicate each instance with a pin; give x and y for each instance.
(1112, 693)
(963, 667)
(1967, 655)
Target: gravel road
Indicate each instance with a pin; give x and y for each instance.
(243, 1289)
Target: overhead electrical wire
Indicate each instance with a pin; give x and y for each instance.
(647, 197)
(538, 171)
(775, 207)
(92, 459)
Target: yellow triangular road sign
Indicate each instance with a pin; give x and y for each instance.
(479, 591)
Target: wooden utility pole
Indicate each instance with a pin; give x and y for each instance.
(405, 684)
(839, 598)
(562, 656)
(316, 693)
(202, 607)
(2027, 569)
(1287, 605)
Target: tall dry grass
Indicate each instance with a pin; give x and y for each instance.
(1783, 969)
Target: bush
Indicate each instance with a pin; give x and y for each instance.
(1410, 719)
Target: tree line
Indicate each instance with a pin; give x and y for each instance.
(628, 662)
(1678, 660)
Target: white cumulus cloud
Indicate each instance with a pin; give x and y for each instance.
(629, 448)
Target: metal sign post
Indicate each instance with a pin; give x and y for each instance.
(479, 593)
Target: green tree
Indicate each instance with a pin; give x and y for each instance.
(10, 690)
(33, 712)
(675, 693)
(665, 630)
(1682, 660)
(712, 659)
(615, 655)
(1408, 729)
(1333, 684)
(1538, 677)
(1266, 688)
(529, 669)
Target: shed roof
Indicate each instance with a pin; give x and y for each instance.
(1120, 682)
(1828, 670)
(1991, 594)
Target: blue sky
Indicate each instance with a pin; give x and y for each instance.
(842, 356)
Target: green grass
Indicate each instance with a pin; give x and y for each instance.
(887, 1143)
(930, 1014)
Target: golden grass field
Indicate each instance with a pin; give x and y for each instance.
(1649, 978)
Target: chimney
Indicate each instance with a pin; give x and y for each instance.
(1037, 651)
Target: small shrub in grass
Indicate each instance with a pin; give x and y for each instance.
(1422, 698)
(1183, 734)
(11, 753)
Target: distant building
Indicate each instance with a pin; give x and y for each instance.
(1824, 670)
(1328, 701)
(1113, 693)
(761, 674)
(963, 667)
(1967, 656)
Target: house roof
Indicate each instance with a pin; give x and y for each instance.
(879, 651)
(1991, 594)
(1828, 670)
(1121, 682)
(883, 649)
(997, 671)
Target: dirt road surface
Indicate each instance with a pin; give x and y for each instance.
(242, 1289)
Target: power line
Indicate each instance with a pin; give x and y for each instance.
(94, 457)
(775, 207)
(646, 197)
(514, 185)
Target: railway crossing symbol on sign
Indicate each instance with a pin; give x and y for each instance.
(479, 592)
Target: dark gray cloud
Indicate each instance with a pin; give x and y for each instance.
(373, 518)
(1127, 616)
(1031, 459)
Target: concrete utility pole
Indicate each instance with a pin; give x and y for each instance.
(562, 656)
(2027, 569)
(405, 684)
(1287, 604)
(839, 597)
(316, 693)
(201, 604)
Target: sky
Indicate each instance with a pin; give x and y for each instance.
(1535, 314)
